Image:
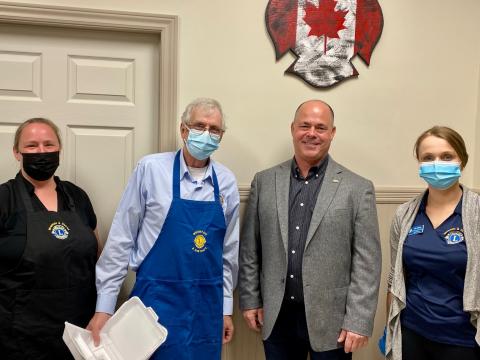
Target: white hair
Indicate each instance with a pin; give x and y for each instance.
(206, 104)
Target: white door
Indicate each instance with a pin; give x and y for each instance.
(99, 87)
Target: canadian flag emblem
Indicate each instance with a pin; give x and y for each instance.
(324, 35)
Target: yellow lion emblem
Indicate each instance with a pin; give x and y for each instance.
(199, 241)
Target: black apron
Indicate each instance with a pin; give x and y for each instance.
(53, 282)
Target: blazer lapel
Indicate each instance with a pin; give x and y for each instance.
(330, 184)
(282, 186)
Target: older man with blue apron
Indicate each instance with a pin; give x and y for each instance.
(182, 279)
(189, 264)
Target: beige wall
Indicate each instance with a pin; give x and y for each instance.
(476, 158)
(424, 71)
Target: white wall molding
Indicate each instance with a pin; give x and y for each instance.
(384, 195)
(396, 195)
(166, 26)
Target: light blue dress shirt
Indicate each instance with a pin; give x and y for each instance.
(142, 212)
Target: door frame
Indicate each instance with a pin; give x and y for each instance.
(166, 26)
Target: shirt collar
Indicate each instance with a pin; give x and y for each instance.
(29, 185)
(184, 169)
(423, 205)
(458, 208)
(319, 169)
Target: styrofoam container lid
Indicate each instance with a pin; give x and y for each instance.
(135, 331)
(132, 333)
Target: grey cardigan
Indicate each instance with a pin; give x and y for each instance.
(402, 222)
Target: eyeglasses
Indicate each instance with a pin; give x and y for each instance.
(198, 129)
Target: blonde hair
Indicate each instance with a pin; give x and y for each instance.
(39, 120)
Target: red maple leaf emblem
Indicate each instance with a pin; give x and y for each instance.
(324, 20)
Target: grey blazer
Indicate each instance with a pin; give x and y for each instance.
(402, 223)
(341, 262)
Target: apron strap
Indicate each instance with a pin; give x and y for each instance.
(176, 179)
(68, 197)
(216, 189)
(26, 198)
(176, 176)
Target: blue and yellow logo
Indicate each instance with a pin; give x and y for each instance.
(200, 241)
(59, 230)
(454, 236)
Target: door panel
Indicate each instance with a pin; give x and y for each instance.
(101, 80)
(20, 74)
(87, 165)
(99, 87)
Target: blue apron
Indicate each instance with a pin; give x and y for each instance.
(181, 277)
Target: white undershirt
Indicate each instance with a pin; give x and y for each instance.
(197, 173)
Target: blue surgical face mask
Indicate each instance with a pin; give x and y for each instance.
(200, 144)
(440, 174)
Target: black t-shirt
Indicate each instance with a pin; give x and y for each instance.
(13, 215)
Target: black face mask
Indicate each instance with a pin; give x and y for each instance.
(41, 166)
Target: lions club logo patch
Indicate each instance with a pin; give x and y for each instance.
(199, 241)
(59, 230)
(454, 236)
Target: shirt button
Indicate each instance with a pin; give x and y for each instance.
(316, 175)
(301, 204)
(297, 227)
(306, 182)
(291, 276)
(293, 251)
(292, 297)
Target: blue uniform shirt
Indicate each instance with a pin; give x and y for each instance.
(435, 262)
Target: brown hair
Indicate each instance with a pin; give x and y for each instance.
(23, 125)
(449, 135)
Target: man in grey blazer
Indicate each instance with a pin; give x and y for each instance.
(310, 257)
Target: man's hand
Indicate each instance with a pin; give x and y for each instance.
(227, 329)
(254, 318)
(351, 341)
(96, 324)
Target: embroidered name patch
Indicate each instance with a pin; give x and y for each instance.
(59, 230)
(415, 230)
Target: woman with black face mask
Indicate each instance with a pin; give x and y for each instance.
(48, 250)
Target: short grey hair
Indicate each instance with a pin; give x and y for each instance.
(206, 104)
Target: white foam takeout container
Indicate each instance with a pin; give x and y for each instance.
(132, 333)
